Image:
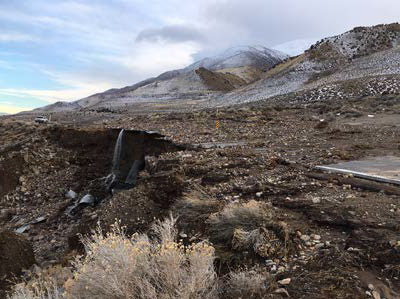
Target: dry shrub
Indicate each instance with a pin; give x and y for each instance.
(248, 217)
(252, 226)
(120, 267)
(42, 283)
(247, 284)
(38, 289)
(116, 266)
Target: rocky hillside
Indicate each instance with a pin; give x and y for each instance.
(236, 67)
(248, 74)
(361, 52)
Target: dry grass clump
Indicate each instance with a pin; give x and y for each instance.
(247, 284)
(248, 217)
(116, 266)
(251, 226)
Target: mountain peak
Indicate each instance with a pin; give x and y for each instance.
(240, 56)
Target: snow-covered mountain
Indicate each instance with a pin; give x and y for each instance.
(246, 74)
(255, 56)
(233, 68)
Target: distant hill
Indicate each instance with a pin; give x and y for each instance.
(3, 113)
(232, 69)
(59, 107)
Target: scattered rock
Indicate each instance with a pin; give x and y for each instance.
(371, 287)
(316, 200)
(316, 237)
(282, 291)
(23, 229)
(285, 281)
(71, 194)
(305, 238)
(376, 295)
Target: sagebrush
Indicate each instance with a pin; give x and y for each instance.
(116, 266)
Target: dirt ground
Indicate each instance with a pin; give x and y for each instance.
(346, 241)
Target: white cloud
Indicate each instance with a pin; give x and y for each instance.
(17, 37)
(150, 58)
(52, 96)
(12, 109)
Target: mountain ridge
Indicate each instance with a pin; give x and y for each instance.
(252, 73)
(248, 61)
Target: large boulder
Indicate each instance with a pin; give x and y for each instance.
(16, 254)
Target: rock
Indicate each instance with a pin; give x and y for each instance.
(71, 194)
(88, 199)
(259, 194)
(305, 238)
(39, 220)
(269, 262)
(16, 254)
(281, 269)
(285, 281)
(319, 246)
(23, 229)
(183, 235)
(376, 295)
(282, 291)
(316, 200)
(371, 287)
(316, 237)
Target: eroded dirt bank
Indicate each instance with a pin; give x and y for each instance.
(331, 239)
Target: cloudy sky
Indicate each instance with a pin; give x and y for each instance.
(53, 50)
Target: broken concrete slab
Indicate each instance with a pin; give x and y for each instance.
(381, 169)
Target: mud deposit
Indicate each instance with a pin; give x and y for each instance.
(333, 236)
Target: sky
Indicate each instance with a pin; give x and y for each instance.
(65, 50)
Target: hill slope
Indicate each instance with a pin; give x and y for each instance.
(236, 67)
(361, 52)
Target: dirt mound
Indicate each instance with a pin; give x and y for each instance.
(16, 254)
